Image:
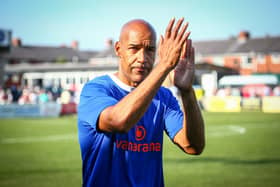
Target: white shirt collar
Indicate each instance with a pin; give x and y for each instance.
(120, 83)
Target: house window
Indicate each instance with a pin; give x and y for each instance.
(261, 59)
(247, 61)
(275, 58)
(218, 60)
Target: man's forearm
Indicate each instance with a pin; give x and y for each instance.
(193, 121)
(131, 108)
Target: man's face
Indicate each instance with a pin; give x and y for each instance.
(136, 50)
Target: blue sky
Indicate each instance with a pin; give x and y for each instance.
(91, 22)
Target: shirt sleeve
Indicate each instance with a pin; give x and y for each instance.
(173, 116)
(93, 100)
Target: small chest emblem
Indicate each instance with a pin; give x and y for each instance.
(140, 133)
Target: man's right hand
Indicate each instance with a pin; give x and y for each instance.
(170, 46)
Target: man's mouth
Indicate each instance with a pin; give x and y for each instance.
(140, 69)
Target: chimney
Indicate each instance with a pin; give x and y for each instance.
(75, 44)
(243, 36)
(16, 42)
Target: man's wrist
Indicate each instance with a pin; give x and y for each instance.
(186, 91)
(164, 68)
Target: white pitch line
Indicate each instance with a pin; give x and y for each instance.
(239, 129)
(39, 139)
(226, 130)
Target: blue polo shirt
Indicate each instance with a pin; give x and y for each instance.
(124, 159)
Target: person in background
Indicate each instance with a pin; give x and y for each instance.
(43, 97)
(276, 91)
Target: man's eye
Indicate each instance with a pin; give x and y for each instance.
(133, 49)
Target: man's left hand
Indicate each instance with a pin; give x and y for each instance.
(183, 74)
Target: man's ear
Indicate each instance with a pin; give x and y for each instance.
(117, 48)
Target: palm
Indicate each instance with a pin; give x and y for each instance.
(183, 74)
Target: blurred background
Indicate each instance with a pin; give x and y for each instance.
(50, 49)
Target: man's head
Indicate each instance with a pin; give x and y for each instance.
(136, 50)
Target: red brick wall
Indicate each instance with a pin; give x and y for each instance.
(268, 66)
(232, 62)
(264, 65)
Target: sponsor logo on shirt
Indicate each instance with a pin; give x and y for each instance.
(140, 134)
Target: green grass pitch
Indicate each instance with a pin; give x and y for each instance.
(242, 150)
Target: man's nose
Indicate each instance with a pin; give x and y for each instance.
(142, 56)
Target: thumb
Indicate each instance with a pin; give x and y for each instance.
(161, 40)
(160, 44)
(171, 77)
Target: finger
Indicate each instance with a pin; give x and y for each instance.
(185, 38)
(182, 32)
(161, 40)
(169, 28)
(184, 51)
(177, 27)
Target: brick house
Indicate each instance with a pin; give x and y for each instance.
(245, 54)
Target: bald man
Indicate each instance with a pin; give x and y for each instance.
(122, 116)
